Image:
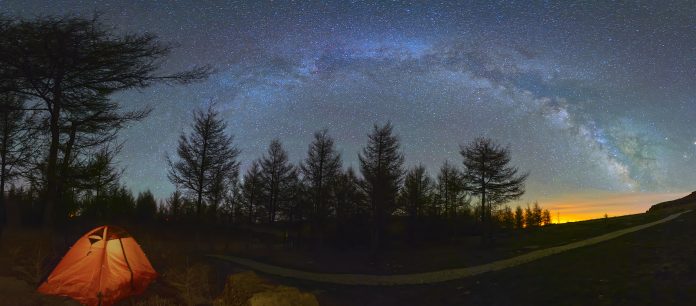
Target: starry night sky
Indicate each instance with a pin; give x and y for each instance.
(593, 99)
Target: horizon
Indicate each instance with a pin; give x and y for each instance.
(595, 101)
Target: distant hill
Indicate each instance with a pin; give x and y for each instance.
(689, 200)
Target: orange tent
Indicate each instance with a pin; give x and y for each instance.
(103, 267)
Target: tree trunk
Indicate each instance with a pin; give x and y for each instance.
(65, 165)
(199, 205)
(51, 177)
(484, 209)
(3, 209)
(3, 174)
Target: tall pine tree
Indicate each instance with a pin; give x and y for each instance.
(415, 197)
(320, 170)
(450, 191)
(490, 177)
(279, 179)
(205, 156)
(519, 217)
(350, 201)
(252, 191)
(381, 165)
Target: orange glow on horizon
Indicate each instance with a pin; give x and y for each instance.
(586, 206)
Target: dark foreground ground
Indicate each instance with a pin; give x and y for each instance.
(655, 266)
(424, 257)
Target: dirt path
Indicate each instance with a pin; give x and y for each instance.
(435, 276)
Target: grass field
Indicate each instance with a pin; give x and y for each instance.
(466, 251)
(655, 266)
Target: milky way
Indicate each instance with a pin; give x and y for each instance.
(587, 96)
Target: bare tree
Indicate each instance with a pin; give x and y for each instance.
(68, 65)
(490, 177)
(205, 156)
(381, 165)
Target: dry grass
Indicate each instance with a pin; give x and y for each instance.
(31, 267)
(240, 288)
(192, 282)
(27, 255)
(248, 289)
(155, 300)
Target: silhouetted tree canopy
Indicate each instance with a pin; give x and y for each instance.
(145, 207)
(507, 218)
(489, 175)
(279, 180)
(381, 165)
(450, 191)
(207, 160)
(252, 191)
(350, 200)
(319, 172)
(416, 196)
(546, 217)
(519, 217)
(17, 139)
(68, 67)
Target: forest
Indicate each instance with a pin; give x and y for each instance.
(58, 143)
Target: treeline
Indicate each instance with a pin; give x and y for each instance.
(529, 217)
(58, 141)
(323, 200)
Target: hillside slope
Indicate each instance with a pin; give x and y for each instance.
(655, 266)
(687, 201)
